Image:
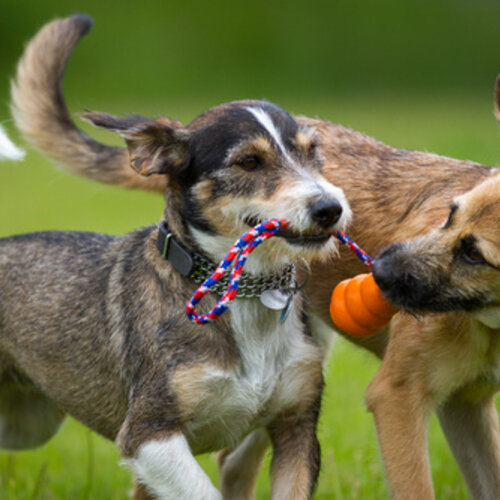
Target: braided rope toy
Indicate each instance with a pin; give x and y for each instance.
(355, 248)
(243, 247)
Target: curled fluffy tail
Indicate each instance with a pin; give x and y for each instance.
(40, 111)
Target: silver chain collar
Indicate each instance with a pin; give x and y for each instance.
(198, 268)
(250, 286)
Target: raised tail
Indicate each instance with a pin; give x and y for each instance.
(40, 111)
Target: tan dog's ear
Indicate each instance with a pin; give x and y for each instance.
(155, 146)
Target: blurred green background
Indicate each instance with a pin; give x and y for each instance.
(164, 51)
(415, 74)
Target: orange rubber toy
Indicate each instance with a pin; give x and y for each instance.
(358, 307)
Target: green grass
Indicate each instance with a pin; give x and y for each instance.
(34, 195)
(78, 464)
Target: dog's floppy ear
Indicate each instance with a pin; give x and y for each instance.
(155, 146)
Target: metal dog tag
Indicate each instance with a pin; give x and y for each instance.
(286, 310)
(275, 299)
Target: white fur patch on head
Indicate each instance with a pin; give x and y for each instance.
(168, 470)
(266, 121)
(294, 194)
(8, 150)
(306, 185)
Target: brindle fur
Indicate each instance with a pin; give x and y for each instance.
(93, 325)
(395, 195)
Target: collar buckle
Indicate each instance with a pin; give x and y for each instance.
(172, 251)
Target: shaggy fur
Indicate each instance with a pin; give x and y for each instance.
(395, 195)
(94, 325)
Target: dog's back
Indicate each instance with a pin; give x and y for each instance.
(53, 296)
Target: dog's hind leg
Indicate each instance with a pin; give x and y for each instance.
(239, 467)
(471, 428)
(27, 417)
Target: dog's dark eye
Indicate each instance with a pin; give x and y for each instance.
(311, 151)
(250, 163)
(472, 255)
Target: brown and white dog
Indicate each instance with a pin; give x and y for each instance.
(395, 195)
(94, 326)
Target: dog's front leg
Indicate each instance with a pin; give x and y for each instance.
(401, 418)
(296, 457)
(239, 467)
(140, 492)
(471, 428)
(166, 468)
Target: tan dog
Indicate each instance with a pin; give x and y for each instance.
(395, 195)
(448, 360)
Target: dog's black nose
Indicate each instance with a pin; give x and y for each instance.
(326, 212)
(382, 273)
(389, 267)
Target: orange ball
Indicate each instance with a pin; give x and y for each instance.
(357, 306)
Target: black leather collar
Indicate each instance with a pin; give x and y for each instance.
(172, 251)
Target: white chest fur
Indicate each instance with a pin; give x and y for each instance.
(274, 361)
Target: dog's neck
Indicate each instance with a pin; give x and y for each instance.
(198, 267)
(205, 251)
(175, 222)
(269, 258)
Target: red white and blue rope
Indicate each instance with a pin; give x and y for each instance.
(355, 248)
(239, 251)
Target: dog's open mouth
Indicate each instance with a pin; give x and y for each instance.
(303, 238)
(294, 237)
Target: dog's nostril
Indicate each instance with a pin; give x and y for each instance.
(326, 212)
(382, 273)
